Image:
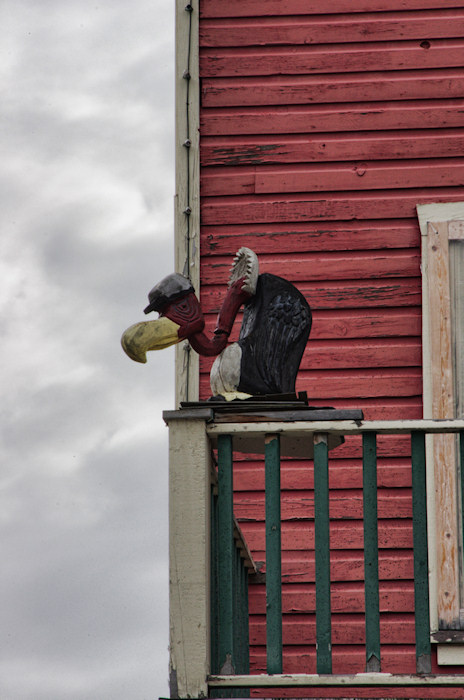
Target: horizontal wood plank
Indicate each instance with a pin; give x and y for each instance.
(331, 384)
(345, 354)
(351, 294)
(393, 472)
(332, 58)
(263, 8)
(312, 267)
(380, 204)
(349, 87)
(296, 119)
(345, 659)
(364, 146)
(393, 534)
(345, 597)
(358, 176)
(341, 323)
(369, 26)
(346, 629)
(346, 504)
(299, 566)
(331, 177)
(302, 237)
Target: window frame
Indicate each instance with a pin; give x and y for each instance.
(438, 223)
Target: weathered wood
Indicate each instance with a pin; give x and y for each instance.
(348, 427)
(362, 324)
(393, 597)
(346, 629)
(189, 557)
(365, 294)
(360, 176)
(311, 267)
(393, 503)
(344, 353)
(349, 87)
(393, 472)
(380, 204)
(444, 446)
(346, 659)
(297, 119)
(298, 567)
(369, 26)
(250, 8)
(393, 534)
(186, 227)
(342, 58)
(305, 237)
(361, 679)
(362, 146)
(369, 383)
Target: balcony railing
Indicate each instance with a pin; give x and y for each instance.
(209, 653)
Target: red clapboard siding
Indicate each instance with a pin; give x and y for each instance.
(332, 177)
(351, 353)
(319, 266)
(343, 474)
(305, 237)
(346, 87)
(369, 26)
(332, 58)
(320, 134)
(296, 119)
(299, 598)
(265, 150)
(346, 629)
(345, 383)
(322, 206)
(298, 566)
(344, 503)
(257, 8)
(337, 324)
(393, 534)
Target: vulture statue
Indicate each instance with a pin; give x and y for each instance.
(275, 328)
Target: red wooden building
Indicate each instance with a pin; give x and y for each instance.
(328, 137)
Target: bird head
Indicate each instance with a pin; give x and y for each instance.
(180, 317)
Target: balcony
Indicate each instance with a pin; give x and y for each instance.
(212, 569)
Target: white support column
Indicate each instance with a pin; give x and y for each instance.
(189, 557)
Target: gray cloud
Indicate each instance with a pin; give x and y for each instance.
(86, 189)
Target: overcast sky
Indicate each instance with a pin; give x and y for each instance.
(87, 169)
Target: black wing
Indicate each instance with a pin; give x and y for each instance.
(275, 329)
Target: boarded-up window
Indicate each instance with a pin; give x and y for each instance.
(443, 302)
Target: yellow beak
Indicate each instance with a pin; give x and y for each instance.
(149, 335)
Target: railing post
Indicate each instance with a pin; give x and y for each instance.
(421, 567)
(322, 553)
(371, 552)
(273, 555)
(189, 557)
(226, 556)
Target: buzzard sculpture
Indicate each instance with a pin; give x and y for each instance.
(275, 328)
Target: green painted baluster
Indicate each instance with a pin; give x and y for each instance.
(226, 556)
(273, 556)
(421, 567)
(322, 554)
(371, 552)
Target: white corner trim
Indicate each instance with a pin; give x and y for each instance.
(187, 234)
